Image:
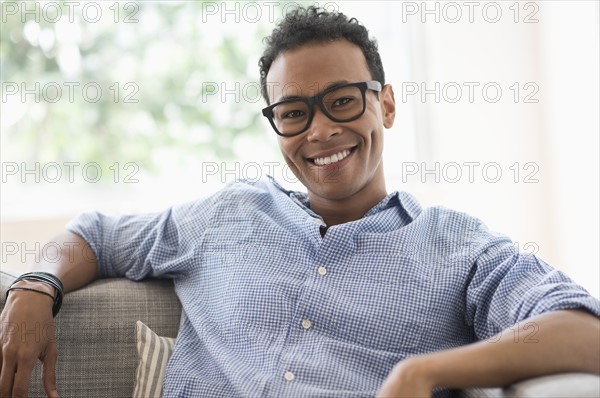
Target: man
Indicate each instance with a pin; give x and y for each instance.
(344, 291)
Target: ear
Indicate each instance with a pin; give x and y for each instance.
(388, 106)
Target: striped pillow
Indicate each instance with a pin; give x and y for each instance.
(153, 353)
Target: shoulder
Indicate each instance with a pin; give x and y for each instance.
(244, 195)
(441, 225)
(438, 219)
(251, 191)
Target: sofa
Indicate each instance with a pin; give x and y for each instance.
(97, 344)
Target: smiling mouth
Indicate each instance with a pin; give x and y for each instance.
(336, 157)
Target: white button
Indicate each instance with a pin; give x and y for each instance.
(289, 376)
(322, 271)
(306, 323)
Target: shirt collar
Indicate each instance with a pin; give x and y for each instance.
(403, 200)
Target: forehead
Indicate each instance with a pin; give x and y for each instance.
(309, 69)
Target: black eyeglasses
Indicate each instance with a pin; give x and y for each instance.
(343, 103)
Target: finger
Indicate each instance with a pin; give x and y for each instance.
(49, 371)
(7, 375)
(22, 377)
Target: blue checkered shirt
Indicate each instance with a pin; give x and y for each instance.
(273, 309)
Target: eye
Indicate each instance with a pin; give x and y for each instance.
(290, 111)
(342, 101)
(293, 114)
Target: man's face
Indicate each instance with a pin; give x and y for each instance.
(356, 167)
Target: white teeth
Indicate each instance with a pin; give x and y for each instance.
(332, 159)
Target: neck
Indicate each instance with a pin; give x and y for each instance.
(339, 211)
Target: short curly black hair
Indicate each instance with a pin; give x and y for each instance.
(316, 25)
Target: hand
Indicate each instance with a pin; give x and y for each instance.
(27, 332)
(407, 379)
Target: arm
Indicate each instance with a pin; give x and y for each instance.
(76, 266)
(27, 310)
(561, 341)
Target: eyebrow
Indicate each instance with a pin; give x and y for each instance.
(327, 86)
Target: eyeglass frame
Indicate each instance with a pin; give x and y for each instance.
(318, 100)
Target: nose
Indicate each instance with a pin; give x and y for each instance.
(321, 127)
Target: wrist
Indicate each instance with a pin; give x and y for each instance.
(31, 284)
(29, 296)
(416, 368)
(46, 278)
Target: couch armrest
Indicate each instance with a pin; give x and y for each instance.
(96, 334)
(579, 385)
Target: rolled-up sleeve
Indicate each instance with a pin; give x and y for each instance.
(146, 245)
(508, 286)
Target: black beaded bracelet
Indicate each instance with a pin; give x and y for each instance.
(49, 279)
(43, 277)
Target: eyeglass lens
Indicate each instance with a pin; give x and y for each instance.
(341, 104)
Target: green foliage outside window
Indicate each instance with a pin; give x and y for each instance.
(161, 67)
